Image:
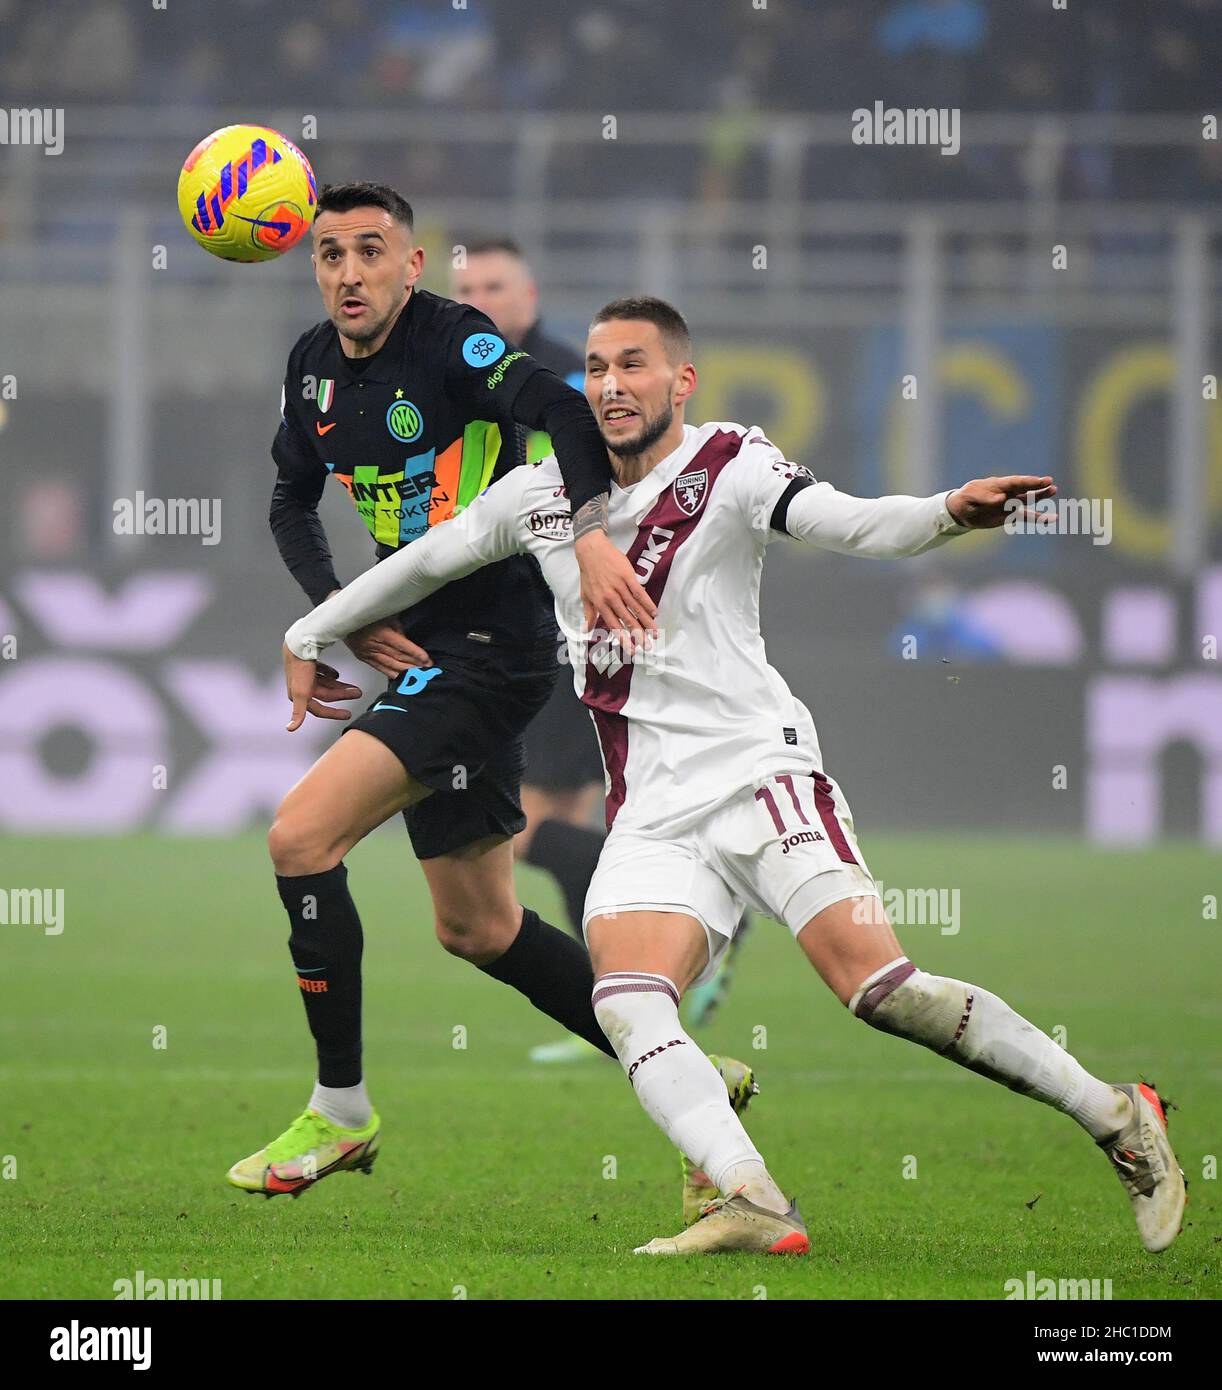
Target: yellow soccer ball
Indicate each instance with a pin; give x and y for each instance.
(246, 193)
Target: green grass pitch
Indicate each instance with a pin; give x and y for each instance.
(495, 1176)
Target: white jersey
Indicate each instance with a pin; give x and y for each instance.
(702, 715)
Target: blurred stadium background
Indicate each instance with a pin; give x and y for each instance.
(815, 273)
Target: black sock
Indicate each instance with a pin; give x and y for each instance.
(555, 974)
(569, 853)
(326, 944)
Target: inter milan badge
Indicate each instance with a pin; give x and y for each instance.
(690, 489)
(404, 421)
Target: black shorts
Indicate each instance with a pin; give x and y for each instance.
(457, 727)
(561, 745)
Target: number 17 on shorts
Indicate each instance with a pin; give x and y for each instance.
(812, 857)
(808, 808)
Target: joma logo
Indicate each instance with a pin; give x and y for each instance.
(674, 1042)
(803, 837)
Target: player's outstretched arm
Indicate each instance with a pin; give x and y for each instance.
(302, 543)
(889, 527)
(485, 532)
(986, 503)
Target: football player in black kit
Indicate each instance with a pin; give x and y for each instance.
(408, 399)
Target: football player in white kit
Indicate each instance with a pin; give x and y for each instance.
(717, 798)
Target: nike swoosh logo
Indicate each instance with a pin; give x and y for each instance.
(399, 708)
(321, 428)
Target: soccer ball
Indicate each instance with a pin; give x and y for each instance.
(246, 193)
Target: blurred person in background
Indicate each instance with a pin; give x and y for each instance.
(564, 772)
(939, 621)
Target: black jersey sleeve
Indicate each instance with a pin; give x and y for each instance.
(300, 536)
(547, 403)
(497, 381)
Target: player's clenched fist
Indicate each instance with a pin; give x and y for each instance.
(311, 682)
(985, 503)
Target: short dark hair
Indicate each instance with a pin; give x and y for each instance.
(486, 245)
(669, 322)
(343, 197)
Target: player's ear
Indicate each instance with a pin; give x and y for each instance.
(415, 267)
(685, 382)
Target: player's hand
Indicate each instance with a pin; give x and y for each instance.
(309, 683)
(611, 590)
(981, 503)
(383, 646)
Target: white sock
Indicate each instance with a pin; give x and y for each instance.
(754, 1181)
(681, 1090)
(346, 1106)
(981, 1032)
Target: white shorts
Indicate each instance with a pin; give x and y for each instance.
(786, 849)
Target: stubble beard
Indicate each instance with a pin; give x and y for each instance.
(628, 450)
(366, 335)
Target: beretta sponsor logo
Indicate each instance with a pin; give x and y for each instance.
(552, 526)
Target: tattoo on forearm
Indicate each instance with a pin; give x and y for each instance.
(591, 516)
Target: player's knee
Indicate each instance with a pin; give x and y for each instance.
(454, 937)
(297, 849)
(478, 935)
(281, 842)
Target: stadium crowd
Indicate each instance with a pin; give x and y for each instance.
(733, 61)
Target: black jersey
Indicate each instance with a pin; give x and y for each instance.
(414, 433)
(566, 362)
